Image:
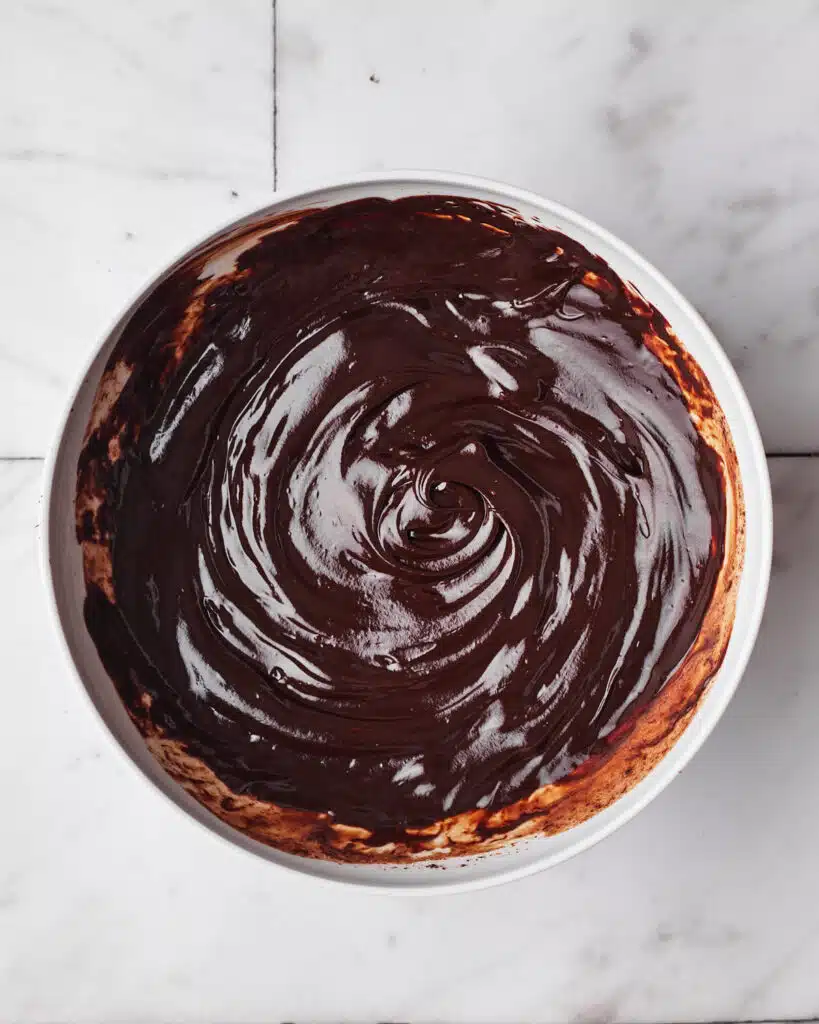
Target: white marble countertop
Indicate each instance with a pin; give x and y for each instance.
(129, 130)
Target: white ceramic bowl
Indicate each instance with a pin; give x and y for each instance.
(66, 587)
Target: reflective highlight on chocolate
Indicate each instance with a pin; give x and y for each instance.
(390, 513)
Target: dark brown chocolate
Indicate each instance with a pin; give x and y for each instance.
(404, 516)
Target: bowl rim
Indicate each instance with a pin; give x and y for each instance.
(707, 714)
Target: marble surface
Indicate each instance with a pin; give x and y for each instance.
(128, 130)
(687, 129)
(114, 907)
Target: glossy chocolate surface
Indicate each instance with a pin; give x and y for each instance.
(404, 516)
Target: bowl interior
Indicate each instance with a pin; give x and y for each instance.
(66, 584)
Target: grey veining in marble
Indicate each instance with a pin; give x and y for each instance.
(688, 129)
(114, 907)
(127, 132)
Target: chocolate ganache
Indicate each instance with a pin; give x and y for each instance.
(395, 512)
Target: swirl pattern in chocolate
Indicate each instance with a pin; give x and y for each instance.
(392, 513)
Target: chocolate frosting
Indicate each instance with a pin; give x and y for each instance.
(404, 516)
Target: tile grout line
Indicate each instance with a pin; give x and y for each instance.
(791, 455)
(275, 99)
(769, 1020)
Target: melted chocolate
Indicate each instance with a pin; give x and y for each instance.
(406, 519)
